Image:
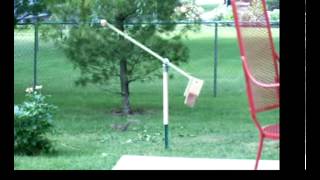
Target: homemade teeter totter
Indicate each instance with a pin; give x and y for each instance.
(192, 90)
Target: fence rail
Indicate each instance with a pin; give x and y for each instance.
(273, 23)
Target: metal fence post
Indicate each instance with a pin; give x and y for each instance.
(35, 54)
(166, 104)
(215, 59)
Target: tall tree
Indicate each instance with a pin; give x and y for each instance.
(101, 54)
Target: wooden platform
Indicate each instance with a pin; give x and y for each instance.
(131, 162)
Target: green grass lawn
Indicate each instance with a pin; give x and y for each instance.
(217, 127)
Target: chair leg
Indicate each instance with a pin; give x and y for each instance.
(259, 152)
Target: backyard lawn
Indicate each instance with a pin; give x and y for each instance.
(217, 127)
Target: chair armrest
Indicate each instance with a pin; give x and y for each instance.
(261, 84)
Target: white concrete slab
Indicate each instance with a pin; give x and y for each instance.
(132, 162)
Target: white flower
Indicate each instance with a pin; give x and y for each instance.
(38, 87)
(29, 90)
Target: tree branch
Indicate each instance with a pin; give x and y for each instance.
(129, 13)
(141, 77)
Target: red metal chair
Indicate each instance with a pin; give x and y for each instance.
(260, 64)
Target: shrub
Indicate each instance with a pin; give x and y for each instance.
(189, 11)
(274, 15)
(272, 4)
(32, 121)
(222, 13)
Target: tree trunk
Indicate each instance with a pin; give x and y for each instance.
(126, 108)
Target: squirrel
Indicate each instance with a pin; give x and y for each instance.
(123, 127)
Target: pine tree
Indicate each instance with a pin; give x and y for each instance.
(101, 55)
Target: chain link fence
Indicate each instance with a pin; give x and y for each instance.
(24, 53)
(224, 68)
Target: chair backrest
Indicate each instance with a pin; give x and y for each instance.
(257, 51)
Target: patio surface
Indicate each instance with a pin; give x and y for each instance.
(133, 162)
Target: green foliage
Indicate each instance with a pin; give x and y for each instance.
(272, 4)
(22, 7)
(97, 52)
(222, 13)
(254, 12)
(32, 120)
(190, 11)
(275, 15)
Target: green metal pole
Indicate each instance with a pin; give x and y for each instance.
(215, 59)
(166, 138)
(166, 104)
(35, 55)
